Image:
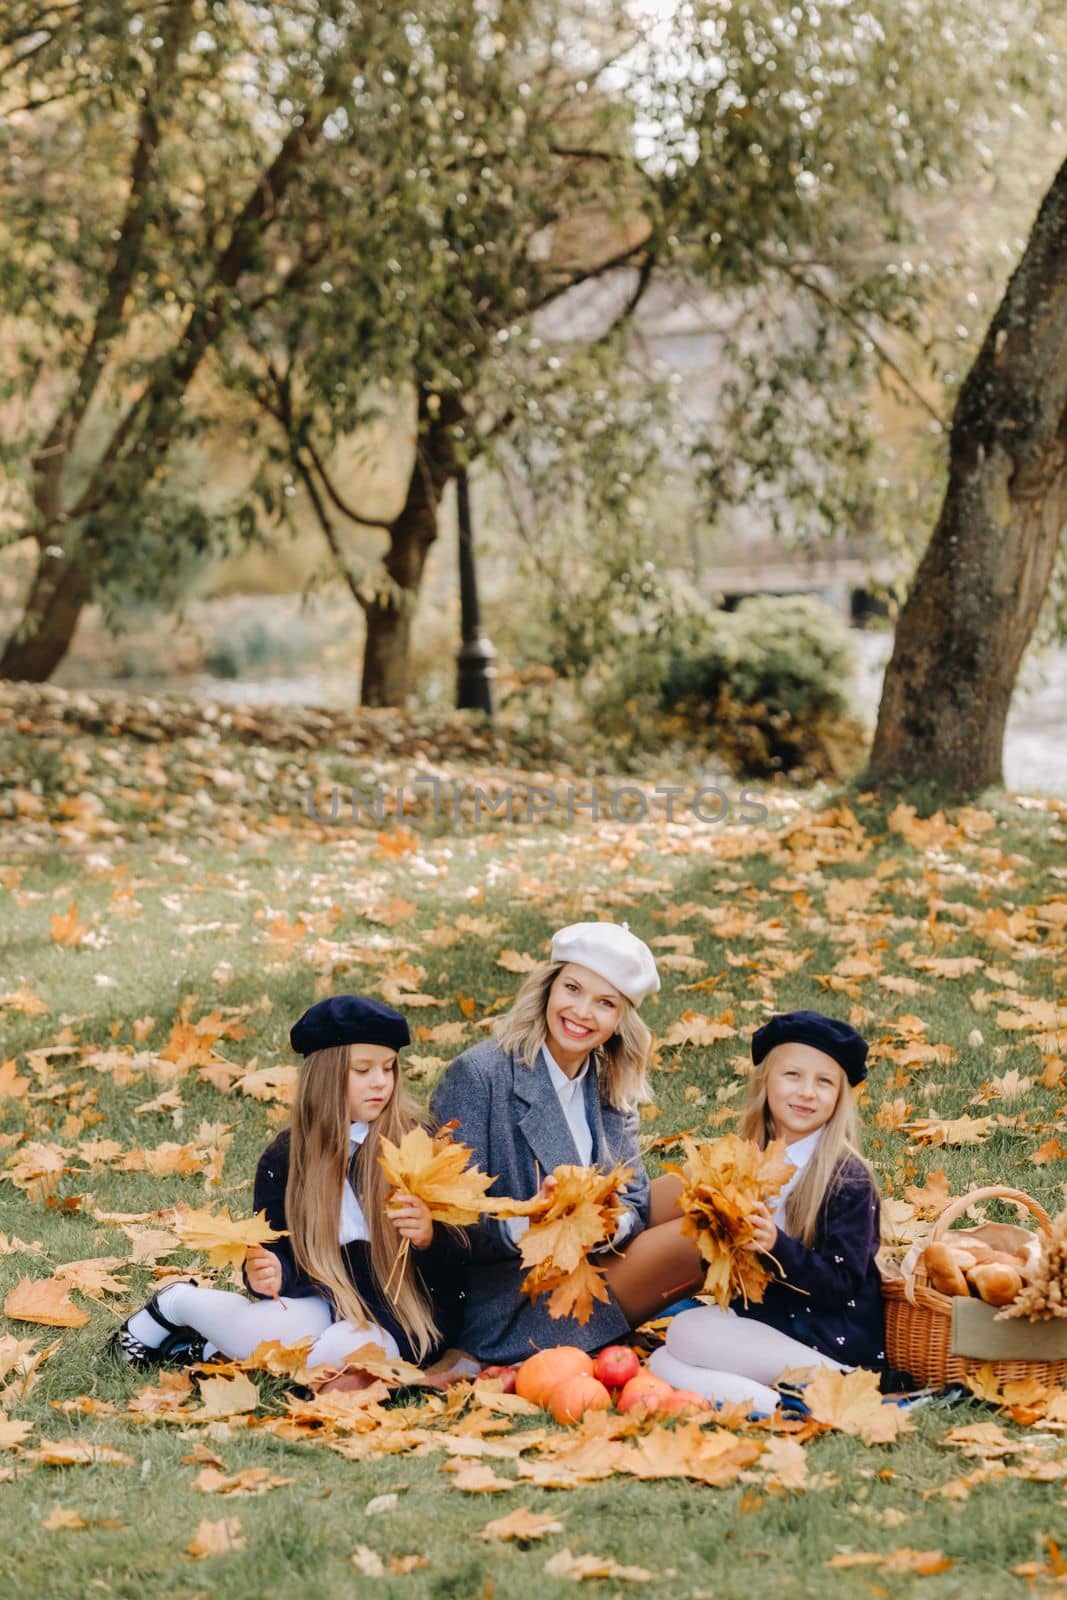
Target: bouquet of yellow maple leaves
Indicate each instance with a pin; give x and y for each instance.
(723, 1182)
(436, 1171)
(579, 1214)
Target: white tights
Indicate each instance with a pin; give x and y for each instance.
(728, 1358)
(235, 1325)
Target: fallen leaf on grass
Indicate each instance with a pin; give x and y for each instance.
(368, 1561)
(522, 1525)
(12, 1087)
(250, 1480)
(270, 1083)
(950, 1130)
(216, 1538)
(12, 1432)
(933, 1197)
(922, 1563)
(226, 1397)
(94, 1276)
(66, 929)
(476, 1479)
(850, 1402)
(380, 1502)
(44, 1300)
(222, 1238)
(66, 1517)
(565, 1565)
(78, 1453)
(1056, 1568)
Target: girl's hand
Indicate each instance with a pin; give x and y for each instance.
(263, 1271)
(764, 1230)
(411, 1218)
(548, 1188)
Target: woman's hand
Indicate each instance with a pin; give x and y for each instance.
(411, 1218)
(548, 1188)
(764, 1230)
(263, 1271)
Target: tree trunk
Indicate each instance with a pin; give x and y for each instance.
(386, 679)
(975, 599)
(61, 587)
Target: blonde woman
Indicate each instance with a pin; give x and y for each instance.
(560, 1084)
(321, 1182)
(819, 1239)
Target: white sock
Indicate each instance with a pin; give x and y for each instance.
(144, 1327)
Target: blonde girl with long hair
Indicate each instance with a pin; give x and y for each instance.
(561, 1084)
(332, 1279)
(818, 1238)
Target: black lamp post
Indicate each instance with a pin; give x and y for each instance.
(474, 658)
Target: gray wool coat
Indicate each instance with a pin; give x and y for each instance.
(510, 1116)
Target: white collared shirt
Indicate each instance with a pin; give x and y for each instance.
(353, 1222)
(571, 1096)
(799, 1153)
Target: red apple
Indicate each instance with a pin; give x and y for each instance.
(504, 1375)
(616, 1365)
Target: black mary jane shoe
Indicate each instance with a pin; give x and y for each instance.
(182, 1346)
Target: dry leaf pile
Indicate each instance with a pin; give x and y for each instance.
(723, 1181)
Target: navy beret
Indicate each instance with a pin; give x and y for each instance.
(348, 1019)
(837, 1039)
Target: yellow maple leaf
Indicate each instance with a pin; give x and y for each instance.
(12, 1087)
(723, 1182)
(44, 1300)
(222, 1238)
(521, 1524)
(66, 929)
(850, 1402)
(216, 1538)
(227, 1397)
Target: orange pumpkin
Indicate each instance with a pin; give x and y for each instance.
(540, 1373)
(571, 1399)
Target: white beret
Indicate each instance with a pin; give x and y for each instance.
(612, 952)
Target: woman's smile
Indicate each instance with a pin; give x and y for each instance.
(573, 1034)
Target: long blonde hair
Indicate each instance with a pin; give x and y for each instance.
(621, 1062)
(318, 1165)
(823, 1174)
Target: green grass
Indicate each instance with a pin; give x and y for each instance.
(178, 862)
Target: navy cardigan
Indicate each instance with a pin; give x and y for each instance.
(439, 1266)
(829, 1294)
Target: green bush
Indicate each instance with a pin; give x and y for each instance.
(765, 686)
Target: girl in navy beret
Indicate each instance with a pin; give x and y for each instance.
(818, 1237)
(321, 1182)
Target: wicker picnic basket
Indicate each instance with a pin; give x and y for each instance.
(918, 1319)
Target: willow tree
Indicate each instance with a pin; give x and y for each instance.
(978, 591)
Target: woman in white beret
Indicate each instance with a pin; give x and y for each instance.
(560, 1084)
